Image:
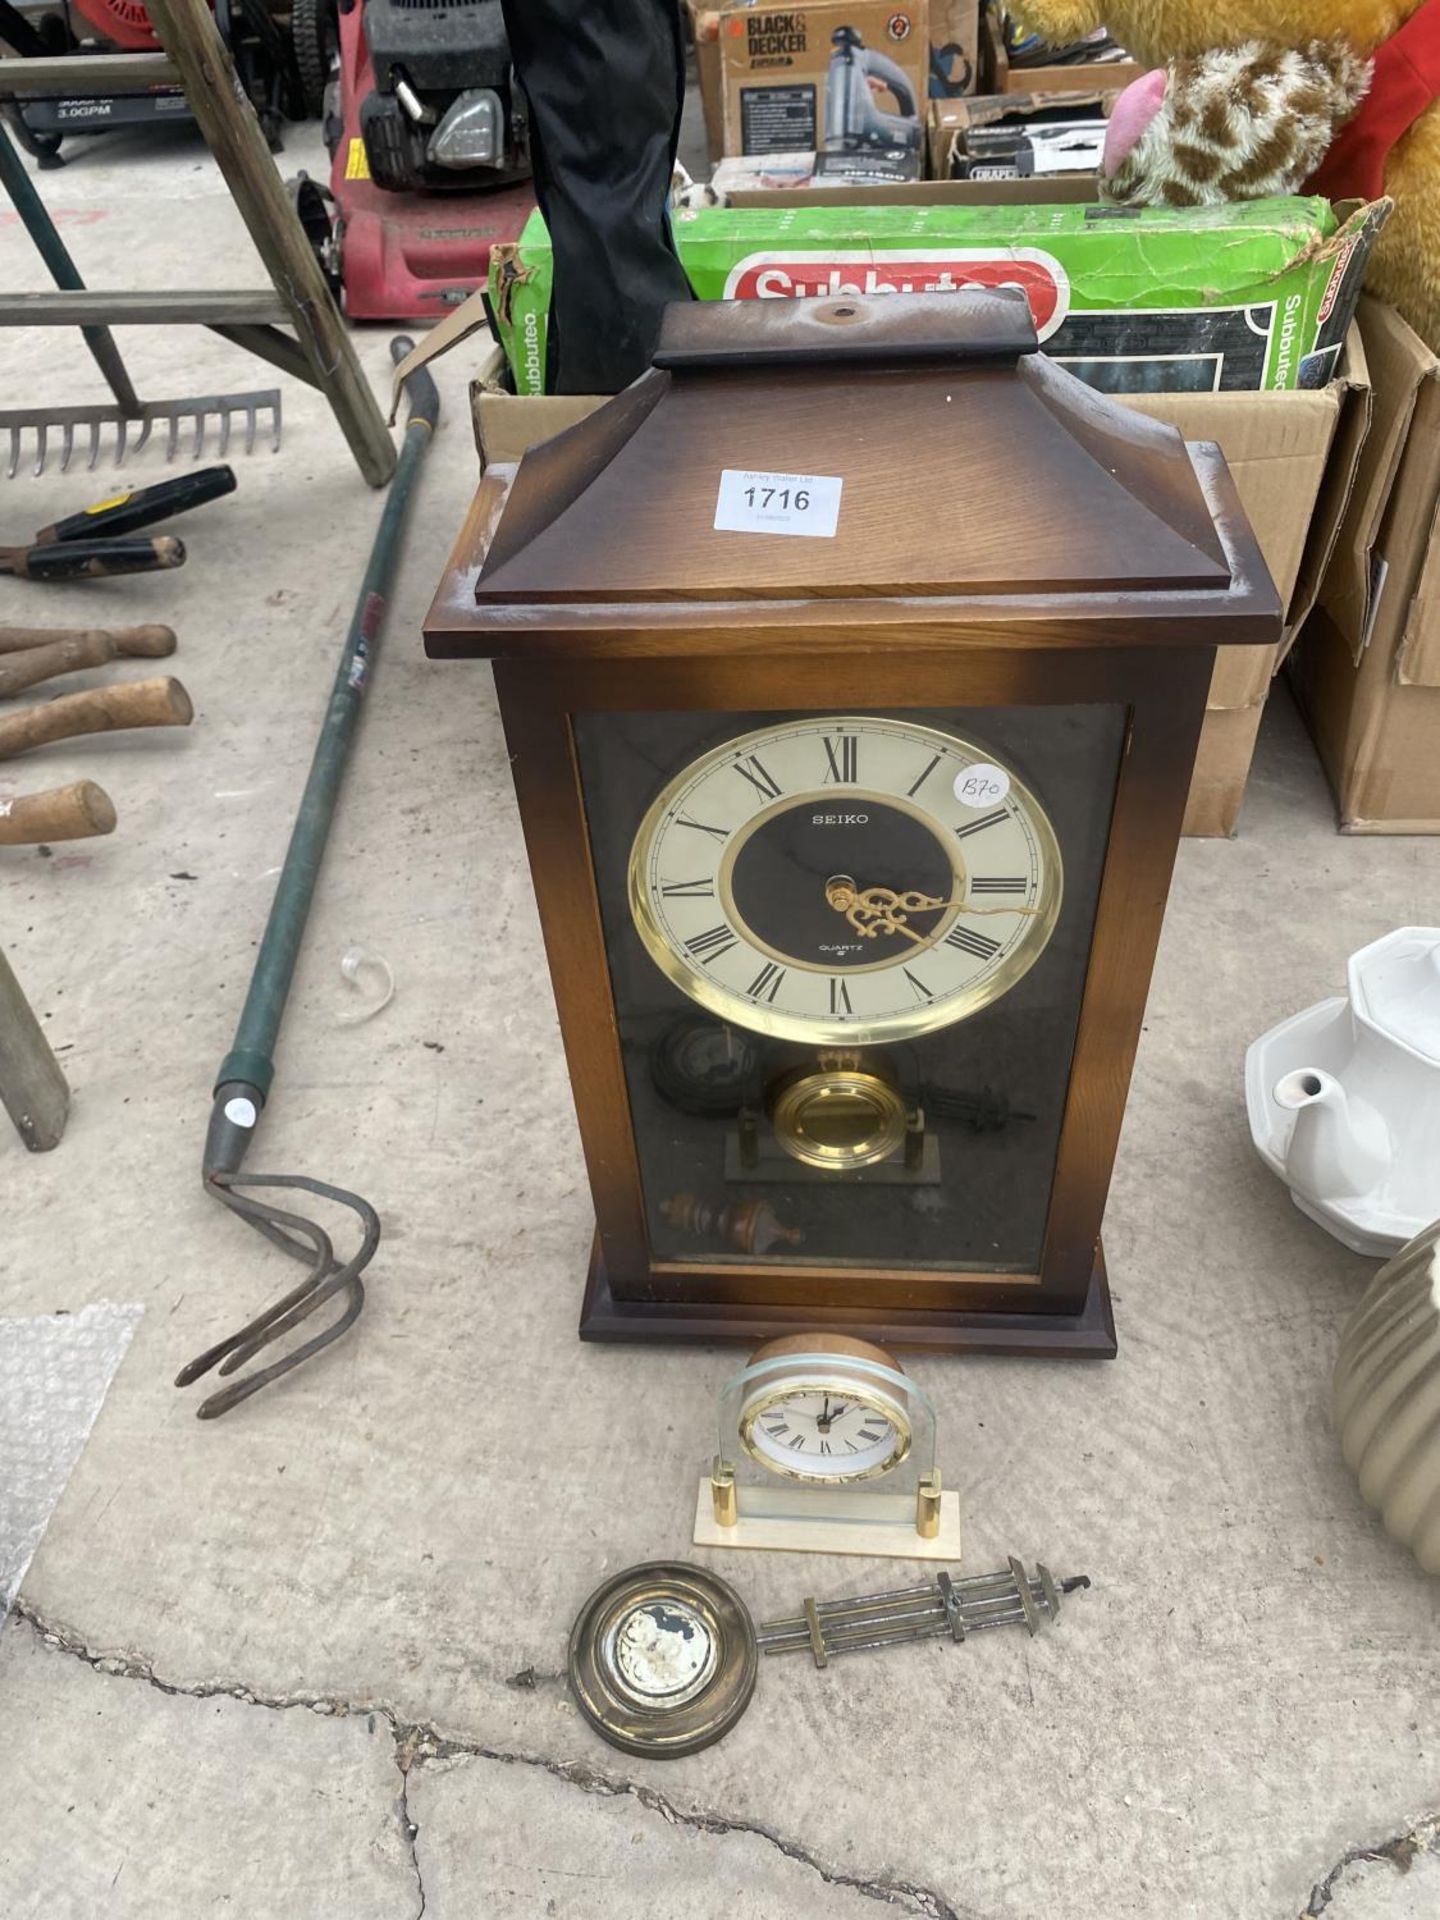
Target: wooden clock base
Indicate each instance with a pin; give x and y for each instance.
(1086, 1335)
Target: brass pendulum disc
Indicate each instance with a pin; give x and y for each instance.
(663, 1659)
(839, 1117)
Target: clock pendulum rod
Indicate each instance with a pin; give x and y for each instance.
(930, 1611)
(246, 1073)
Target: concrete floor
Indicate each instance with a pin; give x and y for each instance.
(308, 1661)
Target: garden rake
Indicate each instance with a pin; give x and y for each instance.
(243, 1081)
(129, 411)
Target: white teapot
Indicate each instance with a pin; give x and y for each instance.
(1344, 1098)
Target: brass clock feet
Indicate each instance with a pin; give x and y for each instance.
(724, 1496)
(927, 1505)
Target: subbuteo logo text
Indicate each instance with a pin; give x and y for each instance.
(810, 274)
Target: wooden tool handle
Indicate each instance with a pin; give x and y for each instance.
(132, 703)
(149, 643)
(43, 663)
(75, 812)
(98, 559)
(127, 512)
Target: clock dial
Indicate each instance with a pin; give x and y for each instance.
(825, 1433)
(845, 880)
(663, 1651)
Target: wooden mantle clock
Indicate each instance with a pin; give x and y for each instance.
(852, 664)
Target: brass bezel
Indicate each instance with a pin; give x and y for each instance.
(810, 1380)
(662, 1731)
(907, 1025)
(799, 1090)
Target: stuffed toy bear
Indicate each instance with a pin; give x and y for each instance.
(1258, 97)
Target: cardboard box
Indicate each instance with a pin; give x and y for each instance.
(998, 76)
(952, 193)
(954, 48)
(1040, 151)
(741, 173)
(705, 36)
(1255, 296)
(954, 68)
(1293, 456)
(834, 75)
(951, 121)
(1367, 671)
(1222, 769)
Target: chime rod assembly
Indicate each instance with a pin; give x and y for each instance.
(245, 1075)
(935, 1608)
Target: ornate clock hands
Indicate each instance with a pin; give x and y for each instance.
(877, 910)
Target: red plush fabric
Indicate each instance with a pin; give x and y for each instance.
(1406, 81)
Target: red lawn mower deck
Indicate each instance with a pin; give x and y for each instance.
(405, 255)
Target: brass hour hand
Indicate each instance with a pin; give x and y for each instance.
(876, 910)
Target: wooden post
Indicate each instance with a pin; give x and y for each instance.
(189, 35)
(32, 1087)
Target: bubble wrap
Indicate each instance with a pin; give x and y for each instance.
(55, 1371)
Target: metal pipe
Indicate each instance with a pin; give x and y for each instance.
(249, 1059)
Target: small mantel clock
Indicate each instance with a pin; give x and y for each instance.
(852, 664)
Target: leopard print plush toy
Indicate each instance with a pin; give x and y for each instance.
(1281, 96)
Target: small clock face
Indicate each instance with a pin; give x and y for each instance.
(838, 880)
(662, 1651)
(825, 1433)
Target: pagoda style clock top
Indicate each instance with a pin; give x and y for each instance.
(902, 413)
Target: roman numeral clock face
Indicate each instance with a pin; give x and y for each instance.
(845, 880)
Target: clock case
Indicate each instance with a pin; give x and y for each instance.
(1007, 539)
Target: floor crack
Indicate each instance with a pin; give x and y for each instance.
(1400, 1852)
(410, 1832)
(418, 1744)
(421, 1744)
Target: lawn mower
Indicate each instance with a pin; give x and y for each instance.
(429, 148)
(258, 43)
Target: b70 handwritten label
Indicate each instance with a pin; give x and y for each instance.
(807, 504)
(981, 785)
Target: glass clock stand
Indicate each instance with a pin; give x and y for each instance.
(895, 1508)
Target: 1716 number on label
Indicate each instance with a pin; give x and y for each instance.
(807, 504)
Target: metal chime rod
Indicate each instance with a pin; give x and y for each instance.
(959, 1608)
(913, 1604)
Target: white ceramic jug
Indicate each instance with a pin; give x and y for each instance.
(1344, 1099)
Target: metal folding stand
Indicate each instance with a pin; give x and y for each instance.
(319, 351)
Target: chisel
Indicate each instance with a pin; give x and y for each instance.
(93, 559)
(128, 512)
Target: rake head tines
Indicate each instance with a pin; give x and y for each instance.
(304, 1240)
(190, 418)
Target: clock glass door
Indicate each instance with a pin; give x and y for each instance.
(847, 953)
